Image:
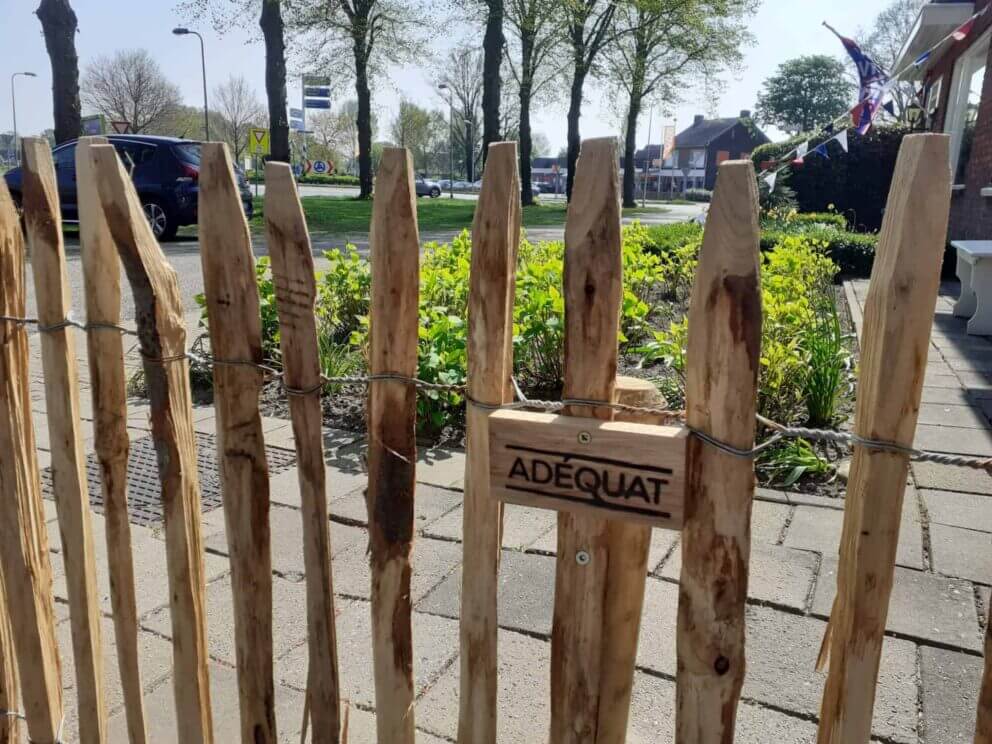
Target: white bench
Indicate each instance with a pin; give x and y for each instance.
(974, 269)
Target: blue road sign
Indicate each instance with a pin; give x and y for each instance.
(317, 91)
(317, 103)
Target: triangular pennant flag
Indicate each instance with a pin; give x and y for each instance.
(821, 150)
(829, 129)
(963, 30)
(801, 150)
(842, 139)
(770, 178)
(890, 106)
(922, 58)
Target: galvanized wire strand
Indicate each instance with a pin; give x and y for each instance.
(781, 431)
(18, 715)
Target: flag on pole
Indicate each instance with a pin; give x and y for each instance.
(962, 31)
(842, 139)
(668, 137)
(874, 83)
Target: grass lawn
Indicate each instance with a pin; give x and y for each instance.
(344, 215)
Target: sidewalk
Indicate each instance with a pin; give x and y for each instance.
(931, 663)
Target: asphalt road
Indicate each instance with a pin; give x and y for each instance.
(184, 254)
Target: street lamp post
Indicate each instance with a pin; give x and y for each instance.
(13, 107)
(181, 31)
(451, 141)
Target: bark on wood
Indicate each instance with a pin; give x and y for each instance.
(296, 293)
(27, 570)
(898, 316)
(721, 382)
(273, 32)
(59, 26)
(162, 337)
(395, 249)
(10, 696)
(629, 545)
(43, 220)
(592, 289)
(495, 239)
(102, 283)
(236, 333)
(983, 724)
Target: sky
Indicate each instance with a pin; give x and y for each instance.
(783, 29)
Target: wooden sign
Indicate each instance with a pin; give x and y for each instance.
(620, 469)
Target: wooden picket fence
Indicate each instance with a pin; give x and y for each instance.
(707, 490)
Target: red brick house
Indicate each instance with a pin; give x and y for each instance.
(957, 97)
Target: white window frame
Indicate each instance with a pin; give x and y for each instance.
(697, 157)
(964, 68)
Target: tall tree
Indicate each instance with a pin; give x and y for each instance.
(373, 33)
(130, 86)
(537, 33)
(239, 111)
(661, 46)
(463, 77)
(589, 25)
(273, 31)
(884, 42)
(492, 49)
(227, 14)
(416, 128)
(58, 24)
(805, 92)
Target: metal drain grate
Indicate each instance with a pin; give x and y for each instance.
(144, 495)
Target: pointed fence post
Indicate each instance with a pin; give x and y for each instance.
(296, 294)
(162, 336)
(721, 389)
(495, 239)
(26, 566)
(898, 317)
(592, 289)
(102, 283)
(236, 334)
(983, 724)
(43, 220)
(395, 251)
(10, 695)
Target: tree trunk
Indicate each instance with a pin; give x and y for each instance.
(469, 153)
(526, 143)
(364, 122)
(630, 148)
(275, 79)
(58, 23)
(574, 138)
(492, 46)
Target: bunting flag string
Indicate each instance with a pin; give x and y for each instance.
(875, 84)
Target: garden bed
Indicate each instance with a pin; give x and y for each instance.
(806, 376)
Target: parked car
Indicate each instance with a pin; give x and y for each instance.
(462, 185)
(444, 183)
(546, 188)
(165, 171)
(427, 188)
(535, 189)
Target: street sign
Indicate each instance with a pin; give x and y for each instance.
(94, 125)
(322, 80)
(317, 91)
(258, 141)
(295, 113)
(686, 170)
(318, 167)
(121, 127)
(296, 125)
(317, 103)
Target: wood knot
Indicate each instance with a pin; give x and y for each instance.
(721, 665)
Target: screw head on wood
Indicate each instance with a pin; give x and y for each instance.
(582, 558)
(584, 437)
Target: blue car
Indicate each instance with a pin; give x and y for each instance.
(165, 171)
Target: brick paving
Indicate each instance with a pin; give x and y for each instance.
(931, 662)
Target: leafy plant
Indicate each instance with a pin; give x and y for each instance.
(786, 464)
(828, 361)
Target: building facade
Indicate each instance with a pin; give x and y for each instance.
(957, 98)
(699, 149)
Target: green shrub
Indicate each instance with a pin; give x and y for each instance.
(698, 195)
(791, 219)
(854, 253)
(856, 182)
(335, 180)
(663, 239)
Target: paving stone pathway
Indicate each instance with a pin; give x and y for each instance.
(931, 662)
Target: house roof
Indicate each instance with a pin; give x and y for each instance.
(701, 133)
(936, 19)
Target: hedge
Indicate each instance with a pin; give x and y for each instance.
(853, 252)
(341, 180)
(856, 183)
